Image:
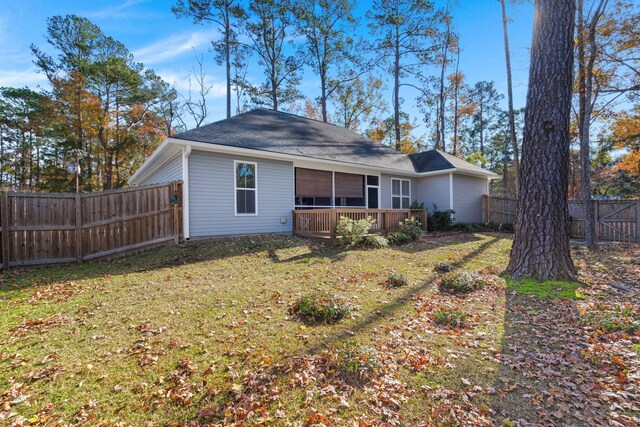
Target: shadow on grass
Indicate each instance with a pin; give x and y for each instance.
(195, 251)
(544, 377)
(375, 317)
(480, 249)
(433, 241)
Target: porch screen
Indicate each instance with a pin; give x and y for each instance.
(313, 183)
(349, 185)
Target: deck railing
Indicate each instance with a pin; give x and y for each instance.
(322, 222)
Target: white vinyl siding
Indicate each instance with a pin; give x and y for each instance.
(211, 196)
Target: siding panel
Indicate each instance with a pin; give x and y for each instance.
(211, 198)
(171, 170)
(385, 189)
(467, 197)
(434, 190)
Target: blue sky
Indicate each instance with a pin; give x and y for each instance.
(170, 45)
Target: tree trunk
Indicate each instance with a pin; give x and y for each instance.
(441, 99)
(456, 113)
(227, 58)
(323, 95)
(585, 95)
(482, 127)
(512, 121)
(505, 167)
(274, 87)
(396, 92)
(541, 242)
(274, 99)
(108, 172)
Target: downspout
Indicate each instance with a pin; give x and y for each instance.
(186, 150)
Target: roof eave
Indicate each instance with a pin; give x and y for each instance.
(151, 163)
(486, 174)
(221, 148)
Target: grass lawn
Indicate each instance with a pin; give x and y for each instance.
(202, 334)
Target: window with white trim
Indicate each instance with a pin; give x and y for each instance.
(400, 193)
(245, 184)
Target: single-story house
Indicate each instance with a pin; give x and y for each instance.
(244, 174)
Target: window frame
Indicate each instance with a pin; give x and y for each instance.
(400, 195)
(236, 188)
(377, 187)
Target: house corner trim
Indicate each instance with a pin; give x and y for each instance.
(186, 151)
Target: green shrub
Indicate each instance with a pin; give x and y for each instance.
(356, 359)
(415, 205)
(412, 227)
(440, 220)
(321, 307)
(460, 282)
(613, 318)
(507, 228)
(479, 227)
(395, 280)
(351, 232)
(375, 241)
(398, 238)
(449, 317)
(442, 267)
(467, 227)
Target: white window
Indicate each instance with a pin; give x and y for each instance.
(245, 186)
(400, 193)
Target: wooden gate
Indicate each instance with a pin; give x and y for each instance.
(50, 228)
(617, 220)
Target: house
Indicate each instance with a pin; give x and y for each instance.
(244, 174)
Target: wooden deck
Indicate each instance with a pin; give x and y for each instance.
(321, 223)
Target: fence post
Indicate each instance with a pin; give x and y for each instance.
(333, 222)
(596, 215)
(4, 200)
(176, 226)
(425, 218)
(485, 200)
(79, 254)
(638, 221)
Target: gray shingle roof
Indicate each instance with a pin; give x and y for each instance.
(278, 132)
(436, 160)
(285, 133)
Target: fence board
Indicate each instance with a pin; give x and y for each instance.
(49, 228)
(617, 220)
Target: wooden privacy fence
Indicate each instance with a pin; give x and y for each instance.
(617, 220)
(49, 228)
(322, 222)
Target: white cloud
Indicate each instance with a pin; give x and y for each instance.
(173, 47)
(19, 78)
(180, 80)
(116, 11)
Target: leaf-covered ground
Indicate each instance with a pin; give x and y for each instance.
(202, 334)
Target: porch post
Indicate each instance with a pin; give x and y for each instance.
(333, 189)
